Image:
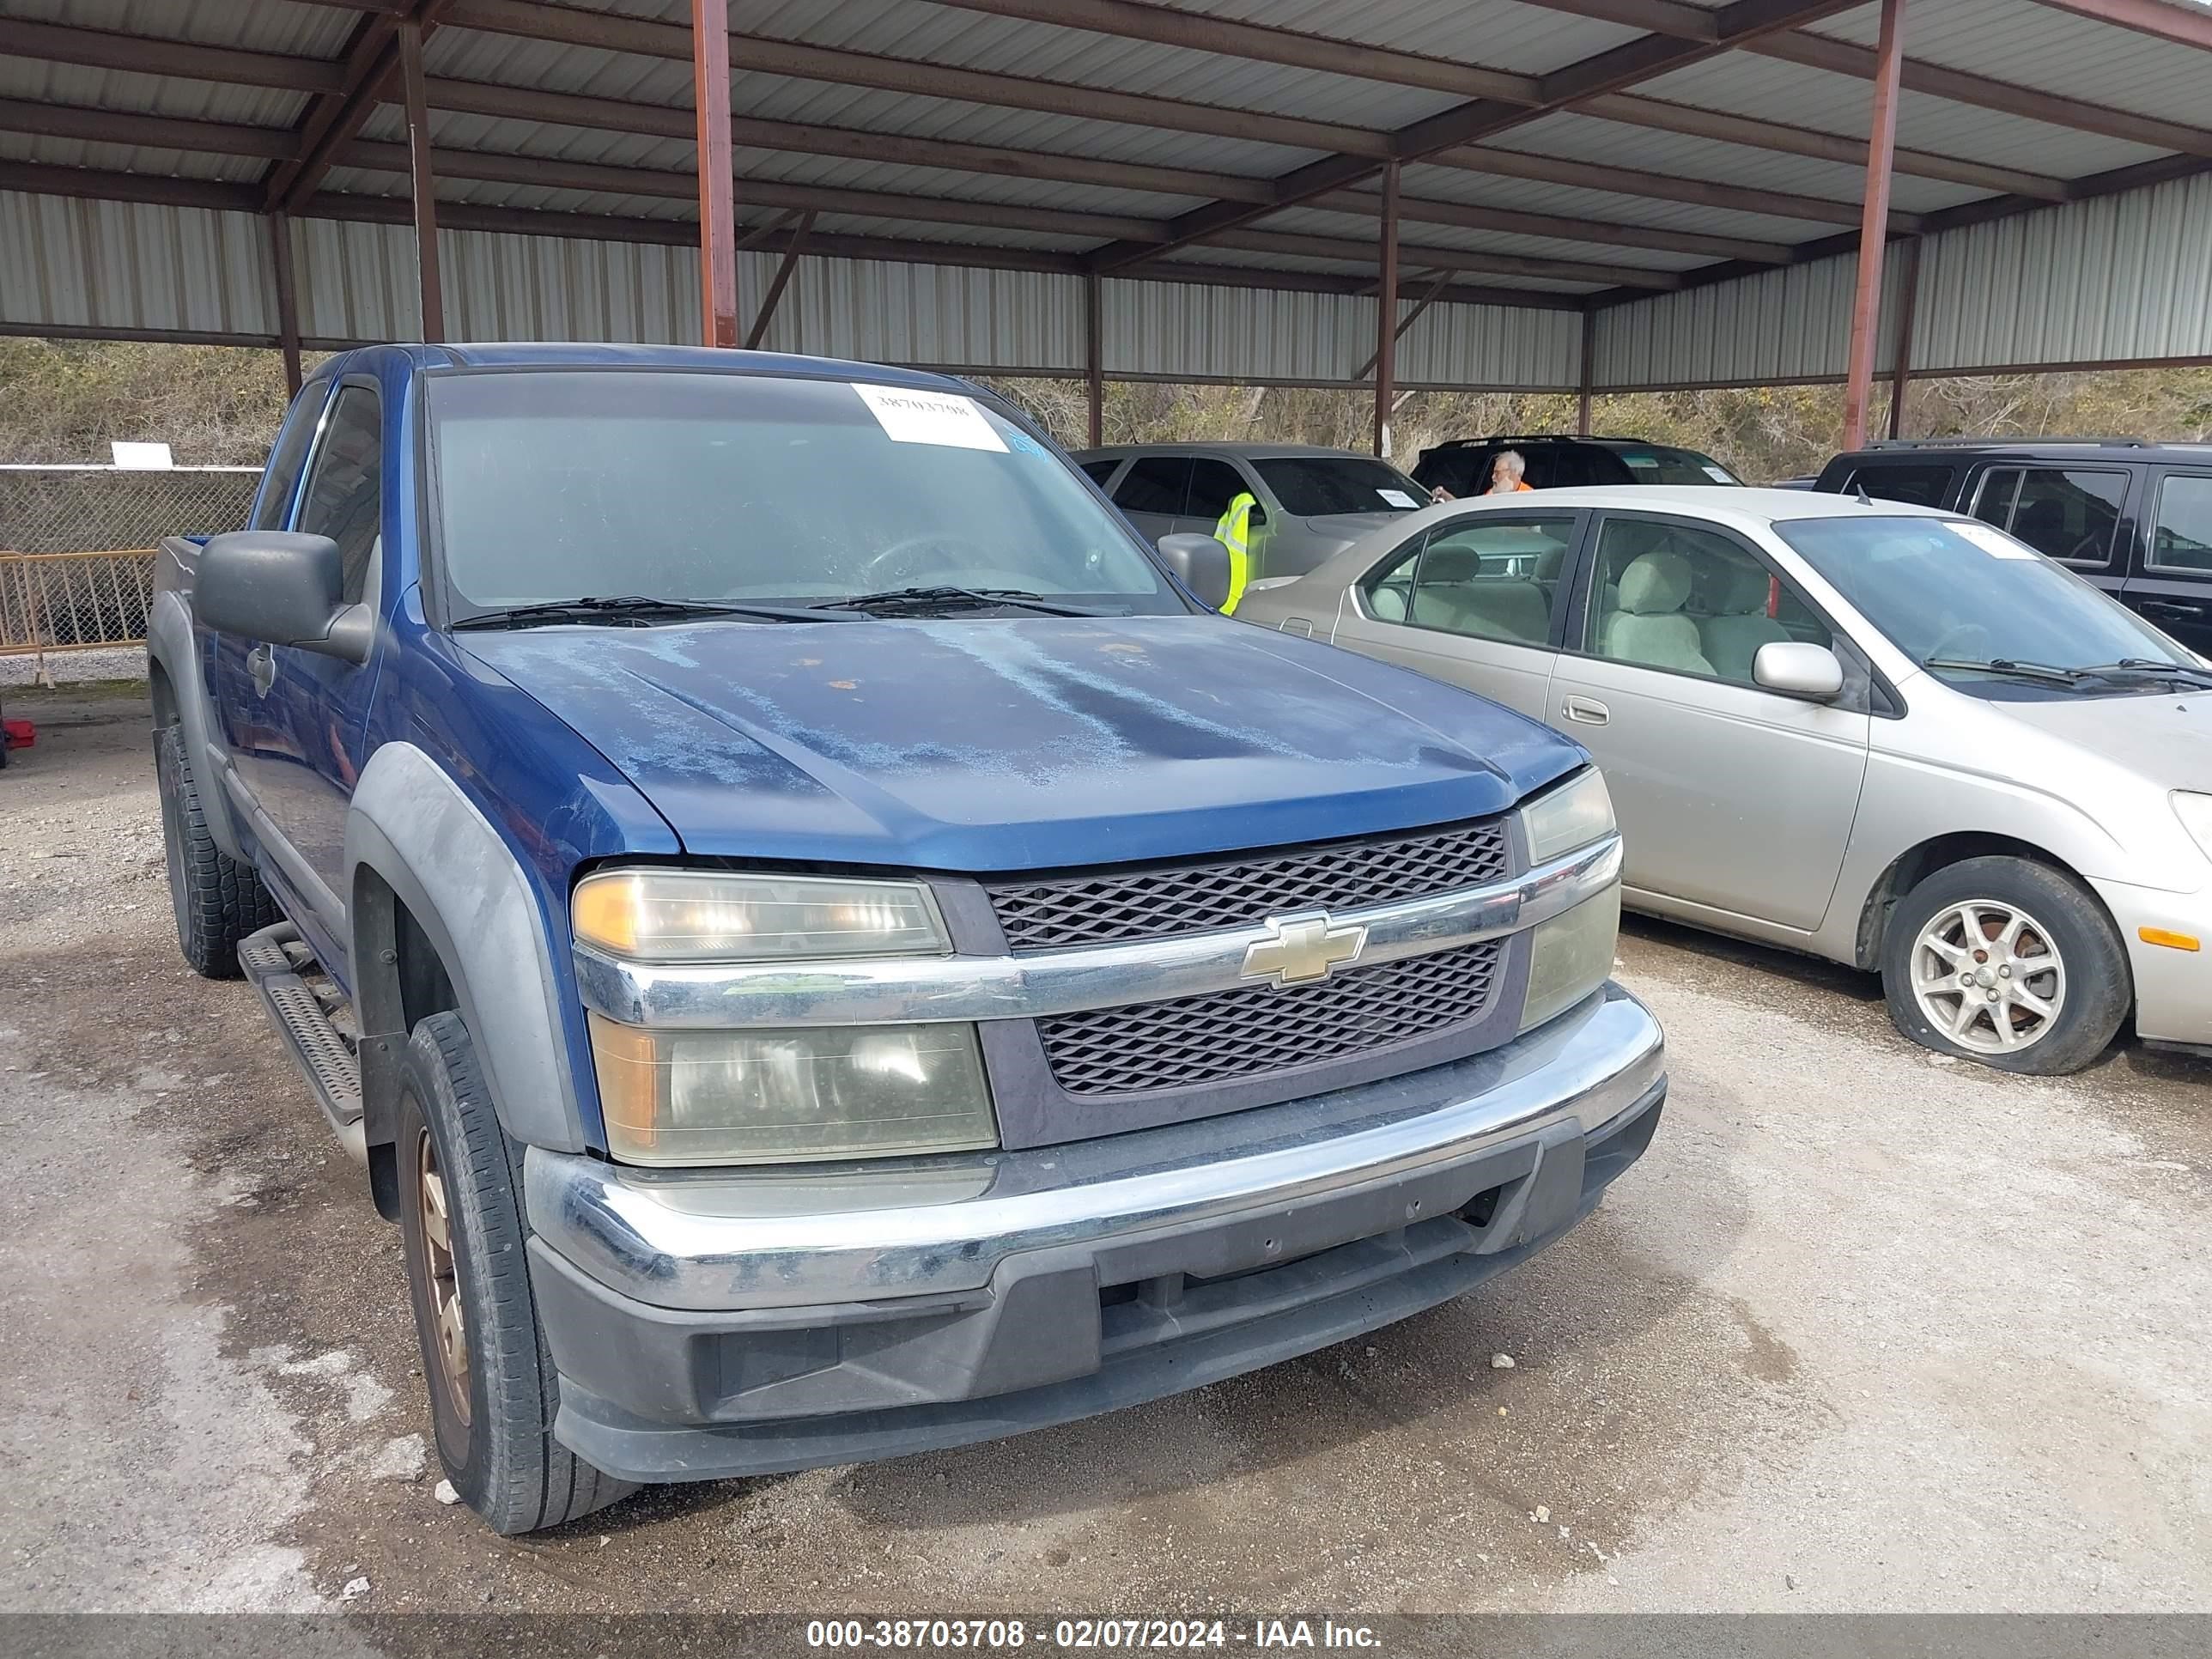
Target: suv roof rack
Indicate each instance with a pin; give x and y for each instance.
(1535, 438)
(2008, 443)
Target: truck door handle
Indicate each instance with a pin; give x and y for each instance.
(2172, 608)
(261, 663)
(1587, 711)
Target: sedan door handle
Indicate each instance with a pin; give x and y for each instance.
(1587, 711)
(2173, 609)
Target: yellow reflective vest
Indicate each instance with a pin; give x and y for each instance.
(1234, 532)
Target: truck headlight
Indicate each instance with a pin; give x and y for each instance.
(1576, 813)
(775, 1097)
(1571, 954)
(705, 915)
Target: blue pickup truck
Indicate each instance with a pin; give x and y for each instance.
(823, 942)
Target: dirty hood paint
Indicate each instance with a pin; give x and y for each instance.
(992, 743)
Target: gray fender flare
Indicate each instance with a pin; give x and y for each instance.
(169, 642)
(413, 827)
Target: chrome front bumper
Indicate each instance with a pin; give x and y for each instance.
(795, 1237)
(711, 1324)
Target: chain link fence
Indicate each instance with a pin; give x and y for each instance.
(76, 548)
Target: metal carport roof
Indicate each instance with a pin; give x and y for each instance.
(1589, 193)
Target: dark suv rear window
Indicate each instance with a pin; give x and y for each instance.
(1916, 484)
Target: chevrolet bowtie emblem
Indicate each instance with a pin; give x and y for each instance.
(1305, 946)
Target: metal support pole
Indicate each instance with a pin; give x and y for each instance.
(1588, 374)
(1873, 224)
(1094, 360)
(718, 246)
(418, 156)
(288, 299)
(1900, 370)
(1386, 312)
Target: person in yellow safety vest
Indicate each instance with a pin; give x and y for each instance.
(1234, 532)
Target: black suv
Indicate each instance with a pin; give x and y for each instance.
(2131, 516)
(1461, 465)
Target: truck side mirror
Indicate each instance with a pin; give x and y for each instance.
(282, 588)
(1202, 564)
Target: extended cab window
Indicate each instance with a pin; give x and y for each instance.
(1157, 484)
(1213, 485)
(344, 496)
(560, 484)
(280, 482)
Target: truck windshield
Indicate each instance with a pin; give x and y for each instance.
(1977, 608)
(1316, 486)
(556, 484)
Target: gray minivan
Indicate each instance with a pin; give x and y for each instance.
(1310, 503)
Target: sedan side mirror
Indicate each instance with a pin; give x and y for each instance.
(282, 588)
(1796, 669)
(1202, 564)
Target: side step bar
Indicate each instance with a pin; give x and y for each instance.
(321, 1051)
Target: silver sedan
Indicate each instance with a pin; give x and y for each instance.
(1890, 736)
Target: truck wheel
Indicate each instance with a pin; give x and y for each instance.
(493, 1392)
(219, 902)
(2009, 962)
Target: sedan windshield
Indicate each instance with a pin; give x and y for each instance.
(1320, 486)
(1975, 608)
(747, 490)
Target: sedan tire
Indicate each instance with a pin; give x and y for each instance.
(2007, 962)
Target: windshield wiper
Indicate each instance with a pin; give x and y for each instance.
(925, 599)
(632, 607)
(2148, 668)
(2042, 672)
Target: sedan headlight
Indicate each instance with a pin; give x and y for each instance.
(703, 915)
(775, 1096)
(2195, 812)
(760, 1095)
(1571, 954)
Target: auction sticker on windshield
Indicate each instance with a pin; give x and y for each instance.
(1396, 497)
(945, 418)
(1994, 543)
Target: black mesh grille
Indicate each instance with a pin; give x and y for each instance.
(1238, 891)
(1266, 1027)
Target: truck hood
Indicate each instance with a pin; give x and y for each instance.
(989, 744)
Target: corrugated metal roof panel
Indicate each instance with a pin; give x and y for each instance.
(1219, 333)
(127, 158)
(125, 265)
(307, 31)
(926, 314)
(1492, 33)
(151, 95)
(1586, 138)
(1414, 236)
(2035, 46)
(1531, 195)
(2124, 278)
(1773, 91)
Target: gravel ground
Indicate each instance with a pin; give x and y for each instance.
(1862, 1332)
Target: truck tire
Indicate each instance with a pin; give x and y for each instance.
(2009, 962)
(492, 1390)
(219, 902)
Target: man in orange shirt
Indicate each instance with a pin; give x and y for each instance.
(1507, 474)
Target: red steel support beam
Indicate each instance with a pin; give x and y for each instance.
(718, 211)
(758, 331)
(287, 298)
(1587, 374)
(425, 193)
(1094, 362)
(1900, 369)
(1386, 312)
(1874, 228)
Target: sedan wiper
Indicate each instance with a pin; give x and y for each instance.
(926, 598)
(2148, 668)
(2041, 672)
(630, 607)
